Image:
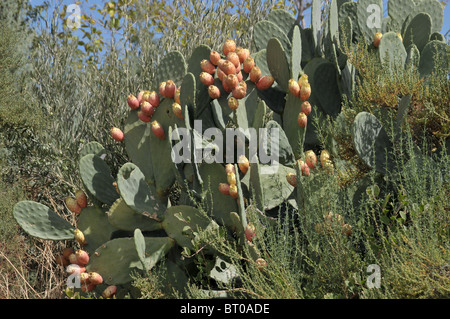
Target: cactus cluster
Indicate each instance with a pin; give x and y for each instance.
(294, 75)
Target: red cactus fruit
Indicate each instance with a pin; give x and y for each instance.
(239, 92)
(206, 78)
(109, 292)
(292, 179)
(303, 80)
(84, 278)
(213, 92)
(220, 74)
(229, 46)
(141, 94)
(231, 81)
(81, 198)
(306, 108)
(177, 95)
(72, 205)
(73, 259)
(302, 120)
(95, 278)
(304, 168)
(240, 76)
(234, 58)
(207, 66)
(67, 252)
(233, 191)
(224, 188)
(242, 54)
(233, 103)
(248, 64)
(243, 164)
(294, 87)
(214, 57)
(255, 74)
(153, 99)
(265, 82)
(261, 264)
(144, 117)
(117, 134)
(147, 108)
(229, 168)
(162, 89)
(227, 67)
(377, 39)
(158, 130)
(176, 109)
(310, 159)
(305, 92)
(133, 102)
(250, 232)
(231, 178)
(82, 257)
(87, 287)
(170, 89)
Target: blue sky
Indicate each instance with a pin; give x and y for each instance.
(100, 3)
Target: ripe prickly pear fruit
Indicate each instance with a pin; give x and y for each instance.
(158, 130)
(305, 91)
(229, 168)
(95, 278)
(144, 117)
(376, 39)
(147, 108)
(224, 188)
(231, 178)
(214, 57)
(233, 103)
(265, 82)
(248, 64)
(303, 80)
(229, 46)
(234, 58)
(73, 259)
(239, 92)
(117, 134)
(310, 159)
(213, 92)
(225, 85)
(220, 74)
(240, 76)
(82, 257)
(176, 109)
(207, 66)
(304, 168)
(206, 78)
(81, 198)
(75, 269)
(72, 205)
(60, 260)
(302, 120)
(292, 179)
(133, 102)
(231, 81)
(294, 87)
(79, 237)
(153, 99)
(162, 89)
(255, 74)
(109, 292)
(243, 164)
(84, 278)
(233, 191)
(242, 54)
(306, 108)
(227, 67)
(67, 252)
(141, 95)
(324, 156)
(170, 89)
(177, 95)
(250, 232)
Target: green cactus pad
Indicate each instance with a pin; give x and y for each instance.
(278, 63)
(368, 19)
(412, 58)
(333, 22)
(437, 36)
(260, 58)
(349, 9)
(97, 178)
(372, 142)
(392, 51)
(296, 54)
(285, 153)
(316, 24)
(137, 144)
(264, 31)
(435, 9)
(171, 67)
(216, 204)
(240, 201)
(93, 222)
(136, 193)
(122, 217)
(93, 148)
(433, 57)
(39, 221)
(275, 186)
(294, 133)
(116, 259)
(188, 94)
(418, 31)
(283, 19)
(259, 115)
(255, 187)
(398, 10)
(325, 87)
(200, 53)
(182, 222)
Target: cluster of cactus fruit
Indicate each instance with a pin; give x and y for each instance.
(293, 76)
